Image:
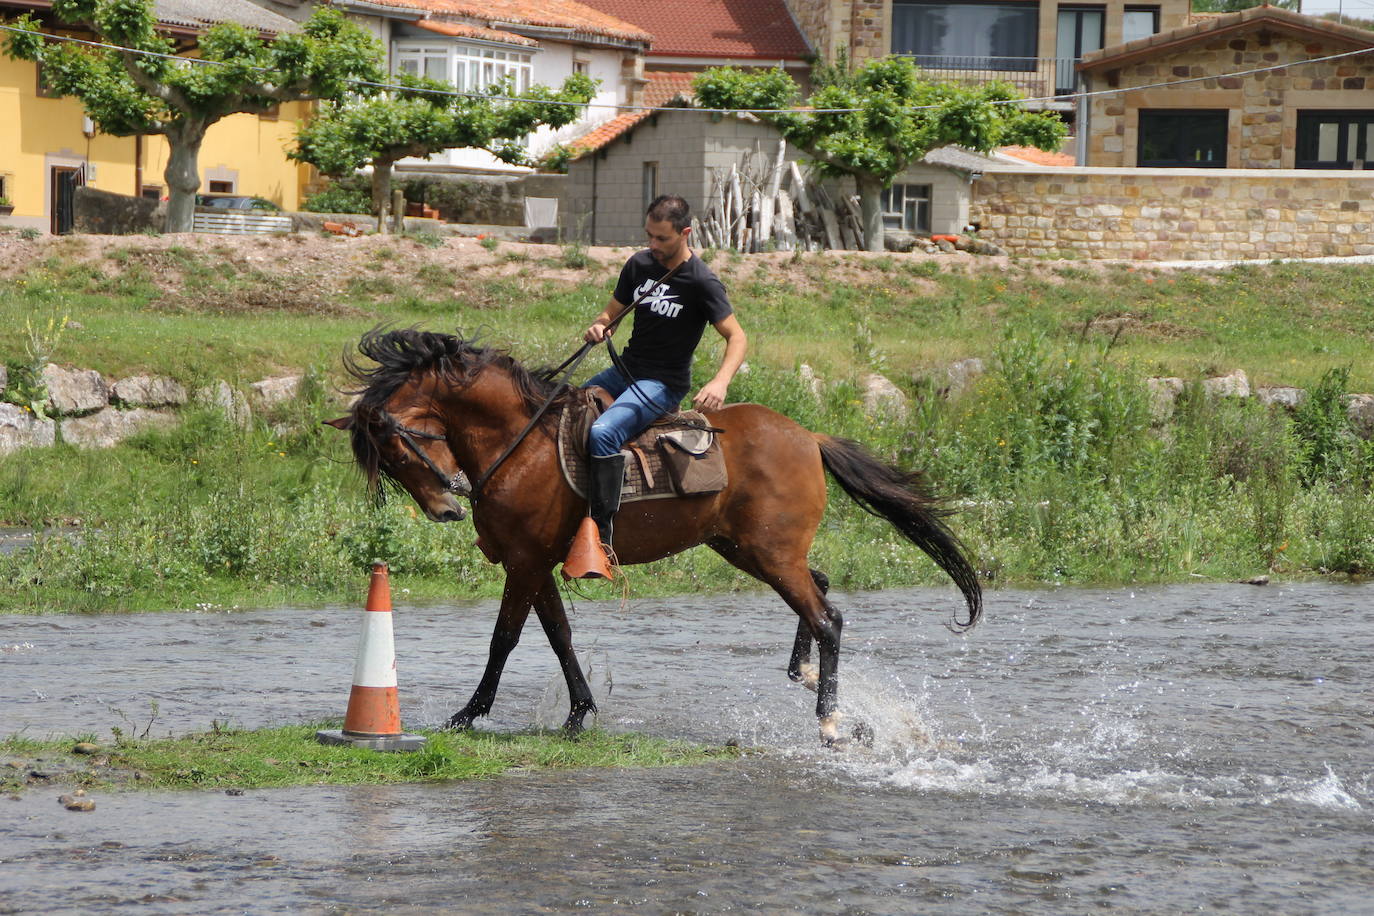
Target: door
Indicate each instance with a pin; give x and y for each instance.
(65, 181)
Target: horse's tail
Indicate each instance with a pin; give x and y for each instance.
(904, 499)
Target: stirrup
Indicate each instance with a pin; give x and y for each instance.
(586, 557)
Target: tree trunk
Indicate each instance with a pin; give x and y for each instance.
(381, 193)
(871, 209)
(183, 177)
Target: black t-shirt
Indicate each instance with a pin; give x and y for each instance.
(669, 320)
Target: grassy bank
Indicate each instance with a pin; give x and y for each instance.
(290, 756)
(1053, 459)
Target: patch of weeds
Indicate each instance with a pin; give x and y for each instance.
(575, 256)
(489, 242)
(924, 269)
(426, 239)
(434, 275)
(515, 257)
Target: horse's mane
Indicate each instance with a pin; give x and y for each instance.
(397, 355)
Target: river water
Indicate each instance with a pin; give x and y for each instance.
(1147, 750)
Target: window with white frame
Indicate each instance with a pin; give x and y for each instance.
(907, 206)
(468, 68)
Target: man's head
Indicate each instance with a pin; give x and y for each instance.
(668, 224)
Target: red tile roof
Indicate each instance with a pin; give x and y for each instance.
(760, 30)
(661, 89)
(1037, 156)
(463, 30)
(557, 14)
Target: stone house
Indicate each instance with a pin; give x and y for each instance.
(1032, 44)
(1307, 116)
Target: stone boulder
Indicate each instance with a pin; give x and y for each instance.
(963, 373)
(1360, 409)
(1279, 396)
(882, 397)
(1233, 385)
(20, 429)
(4, 377)
(148, 391)
(1164, 393)
(231, 402)
(810, 381)
(72, 392)
(271, 391)
(109, 427)
(899, 241)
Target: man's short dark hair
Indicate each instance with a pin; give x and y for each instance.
(670, 208)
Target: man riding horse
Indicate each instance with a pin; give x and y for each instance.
(677, 296)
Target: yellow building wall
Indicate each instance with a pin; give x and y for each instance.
(38, 134)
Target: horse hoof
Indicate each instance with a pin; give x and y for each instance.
(461, 722)
(808, 676)
(830, 730)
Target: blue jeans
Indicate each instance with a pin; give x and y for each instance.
(634, 409)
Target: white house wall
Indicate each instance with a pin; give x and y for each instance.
(550, 65)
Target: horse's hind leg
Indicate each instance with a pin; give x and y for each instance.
(549, 606)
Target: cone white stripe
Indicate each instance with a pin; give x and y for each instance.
(376, 664)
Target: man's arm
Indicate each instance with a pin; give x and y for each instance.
(597, 331)
(712, 394)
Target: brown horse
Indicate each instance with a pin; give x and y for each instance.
(435, 407)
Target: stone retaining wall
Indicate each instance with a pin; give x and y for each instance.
(86, 410)
(1176, 214)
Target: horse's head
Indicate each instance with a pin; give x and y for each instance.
(409, 452)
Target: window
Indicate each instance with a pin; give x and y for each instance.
(1182, 138)
(1139, 22)
(1335, 140)
(151, 192)
(966, 36)
(42, 89)
(581, 65)
(1080, 31)
(907, 206)
(221, 187)
(467, 67)
(649, 184)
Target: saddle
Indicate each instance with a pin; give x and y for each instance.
(678, 455)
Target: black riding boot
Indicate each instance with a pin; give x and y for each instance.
(607, 477)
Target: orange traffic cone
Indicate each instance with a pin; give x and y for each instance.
(373, 718)
(586, 559)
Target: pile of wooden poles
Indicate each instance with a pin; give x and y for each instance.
(765, 204)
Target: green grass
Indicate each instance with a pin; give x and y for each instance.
(1058, 472)
(290, 756)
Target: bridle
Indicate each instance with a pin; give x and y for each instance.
(451, 483)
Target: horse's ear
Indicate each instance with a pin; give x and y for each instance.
(344, 423)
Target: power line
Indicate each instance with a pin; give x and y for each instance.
(454, 93)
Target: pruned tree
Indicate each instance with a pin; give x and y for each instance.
(426, 117)
(893, 118)
(148, 89)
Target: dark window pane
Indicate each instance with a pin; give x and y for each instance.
(1186, 139)
(966, 36)
(1334, 139)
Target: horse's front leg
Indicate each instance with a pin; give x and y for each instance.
(799, 667)
(515, 610)
(549, 607)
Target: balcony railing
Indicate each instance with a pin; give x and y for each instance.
(1034, 77)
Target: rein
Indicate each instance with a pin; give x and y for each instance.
(566, 369)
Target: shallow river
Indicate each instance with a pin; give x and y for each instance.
(1152, 750)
